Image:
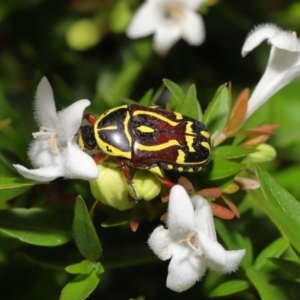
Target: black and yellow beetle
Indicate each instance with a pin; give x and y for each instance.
(148, 138)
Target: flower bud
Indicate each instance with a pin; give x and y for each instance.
(146, 185)
(264, 153)
(110, 188)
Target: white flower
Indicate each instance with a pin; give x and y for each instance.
(169, 20)
(283, 65)
(54, 152)
(190, 242)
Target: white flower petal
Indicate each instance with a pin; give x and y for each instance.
(192, 4)
(41, 155)
(159, 241)
(143, 22)
(233, 259)
(165, 37)
(285, 40)
(185, 269)
(213, 252)
(258, 35)
(77, 164)
(193, 30)
(45, 111)
(283, 67)
(204, 217)
(181, 212)
(71, 117)
(42, 174)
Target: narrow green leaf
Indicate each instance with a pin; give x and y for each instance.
(278, 195)
(275, 249)
(84, 232)
(286, 225)
(8, 194)
(287, 265)
(85, 267)
(216, 115)
(16, 182)
(264, 287)
(229, 288)
(80, 287)
(231, 152)
(176, 91)
(147, 97)
(219, 168)
(35, 226)
(190, 105)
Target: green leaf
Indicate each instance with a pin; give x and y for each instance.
(219, 168)
(190, 105)
(85, 267)
(84, 232)
(275, 249)
(286, 225)
(264, 287)
(287, 265)
(216, 115)
(231, 152)
(229, 288)
(278, 195)
(16, 182)
(147, 97)
(6, 110)
(35, 226)
(176, 91)
(235, 240)
(80, 287)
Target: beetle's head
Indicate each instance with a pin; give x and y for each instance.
(86, 138)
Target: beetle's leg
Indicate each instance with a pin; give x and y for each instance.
(90, 118)
(166, 182)
(97, 157)
(127, 176)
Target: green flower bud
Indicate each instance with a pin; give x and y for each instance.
(146, 185)
(83, 34)
(110, 188)
(264, 153)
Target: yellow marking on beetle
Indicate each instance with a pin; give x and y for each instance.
(199, 169)
(190, 170)
(204, 133)
(113, 127)
(126, 129)
(111, 150)
(189, 140)
(158, 147)
(178, 116)
(170, 167)
(156, 170)
(156, 115)
(145, 129)
(206, 145)
(180, 169)
(181, 157)
(181, 160)
(188, 128)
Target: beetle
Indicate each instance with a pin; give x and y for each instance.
(148, 138)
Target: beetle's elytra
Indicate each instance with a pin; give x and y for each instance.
(149, 138)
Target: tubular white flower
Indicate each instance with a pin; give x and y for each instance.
(54, 152)
(190, 242)
(283, 65)
(168, 20)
